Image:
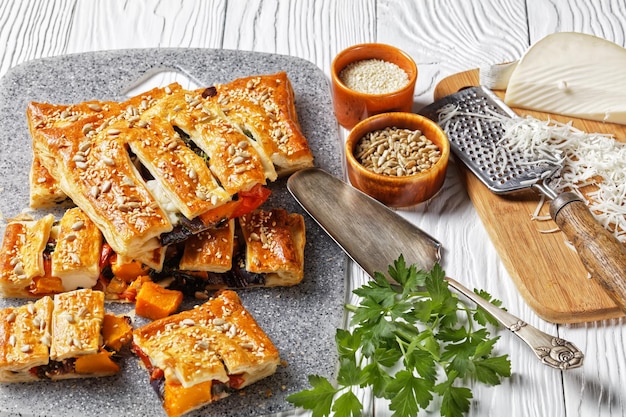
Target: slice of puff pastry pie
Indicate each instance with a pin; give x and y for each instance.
(202, 355)
(68, 336)
(263, 106)
(45, 257)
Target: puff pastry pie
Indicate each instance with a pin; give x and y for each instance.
(202, 355)
(60, 338)
(167, 159)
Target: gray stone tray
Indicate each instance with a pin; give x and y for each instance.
(300, 320)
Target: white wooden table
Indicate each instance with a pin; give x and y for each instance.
(444, 37)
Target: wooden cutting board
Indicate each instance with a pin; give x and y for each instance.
(547, 272)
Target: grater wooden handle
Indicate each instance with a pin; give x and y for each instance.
(603, 255)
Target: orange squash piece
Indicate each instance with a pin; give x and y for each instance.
(130, 294)
(155, 302)
(46, 285)
(178, 400)
(117, 331)
(98, 363)
(116, 286)
(128, 272)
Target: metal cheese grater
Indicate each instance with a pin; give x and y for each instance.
(475, 139)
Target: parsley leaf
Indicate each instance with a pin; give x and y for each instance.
(319, 399)
(408, 393)
(454, 400)
(412, 339)
(347, 405)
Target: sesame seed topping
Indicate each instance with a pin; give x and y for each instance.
(188, 322)
(19, 269)
(84, 146)
(46, 339)
(88, 127)
(106, 186)
(79, 224)
(108, 161)
(68, 317)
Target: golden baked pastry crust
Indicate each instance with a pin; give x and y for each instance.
(210, 250)
(264, 105)
(275, 242)
(76, 256)
(21, 256)
(47, 338)
(84, 151)
(158, 168)
(76, 323)
(10, 283)
(24, 340)
(218, 341)
(96, 172)
(44, 190)
(235, 163)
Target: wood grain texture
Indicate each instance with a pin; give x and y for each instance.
(444, 37)
(604, 18)
(309, 29)
(547, 272)
(598, 388)
(147, 24)
(448, 36)
(33, 29)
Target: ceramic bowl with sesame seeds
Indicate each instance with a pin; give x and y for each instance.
(398, 158)
(369, 79)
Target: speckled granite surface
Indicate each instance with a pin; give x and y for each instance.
(300, 320)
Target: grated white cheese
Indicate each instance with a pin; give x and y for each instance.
(592, 160)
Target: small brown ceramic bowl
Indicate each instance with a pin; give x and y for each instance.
(352, 106)
(398, 191)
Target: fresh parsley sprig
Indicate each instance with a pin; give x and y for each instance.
(410, 342)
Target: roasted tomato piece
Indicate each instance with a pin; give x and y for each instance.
(251, 200)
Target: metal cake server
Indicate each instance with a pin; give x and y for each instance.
(374, 236)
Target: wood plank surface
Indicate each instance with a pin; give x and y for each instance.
(547, 272)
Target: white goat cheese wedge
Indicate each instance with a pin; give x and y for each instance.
(571, 74)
